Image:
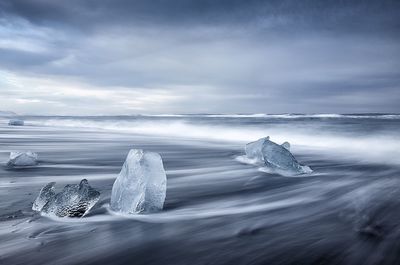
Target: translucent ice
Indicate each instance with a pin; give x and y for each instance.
(22, 159)
(75, 200)
(286, 145)
(275, 156)
(46, 194)
(16, 122)
(141, 185)
(253, 149)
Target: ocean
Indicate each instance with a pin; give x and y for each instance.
(218, 209)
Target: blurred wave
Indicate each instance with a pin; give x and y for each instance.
(220, 207)
(372, 140)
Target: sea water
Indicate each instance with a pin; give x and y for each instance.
(218, 209)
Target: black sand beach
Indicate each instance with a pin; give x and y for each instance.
(217, 209)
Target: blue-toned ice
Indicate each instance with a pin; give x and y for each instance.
(141, 185)
(46, 194)
(16, 122)
(22, 159)
(75, 200)
(275, 156)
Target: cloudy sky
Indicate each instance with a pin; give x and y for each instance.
(90, 57)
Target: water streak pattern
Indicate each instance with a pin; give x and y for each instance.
(225, 211)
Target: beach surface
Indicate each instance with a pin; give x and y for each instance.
(218, 209)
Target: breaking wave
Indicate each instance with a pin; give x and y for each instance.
(330, 138)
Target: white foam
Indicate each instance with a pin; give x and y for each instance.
(382, 147)
(208, 210)
(245, 160)
(284, 116)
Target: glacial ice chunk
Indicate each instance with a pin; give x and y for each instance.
(253, 149)
(286, 145)
(16, 122)
(22, 159)
(46, 194)
(141, 185)
(275, 156)
(75, 200)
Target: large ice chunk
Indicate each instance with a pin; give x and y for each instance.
(275, 156)
(75, 200)
(16, 122)
(22, 159)
(141, 185)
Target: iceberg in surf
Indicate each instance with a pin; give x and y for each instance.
(75, 200)
(16, 122)
(22, 159)
(141, 185)
(254, 149)
(275, 156)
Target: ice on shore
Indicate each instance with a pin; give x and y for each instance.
(75, 200)
(286, 145)
(275, 156)
(46, 194)
(253, 149)
(141, 185)
(21, 159)
(16, 122)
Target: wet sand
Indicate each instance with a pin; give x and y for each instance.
(217, 210)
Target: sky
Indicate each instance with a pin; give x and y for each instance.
(111, 57)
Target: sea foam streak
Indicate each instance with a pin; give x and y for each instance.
(211, 197)
(380, 146)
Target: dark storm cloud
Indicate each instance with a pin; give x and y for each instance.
(206, 56)
(309, 14)
(18, 59)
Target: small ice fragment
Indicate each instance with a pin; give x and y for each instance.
(141, 185)
(75, 200)
(286, 145)
(46, 194)
(16, 122)
(274, 156)
(22, 159)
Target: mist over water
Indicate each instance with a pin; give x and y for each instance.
(218, 209)
(365, 137)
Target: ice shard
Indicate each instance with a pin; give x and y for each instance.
(22, 159)
(275, 156)
(75, 200)
(141, 185)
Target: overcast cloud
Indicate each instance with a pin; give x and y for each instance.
(181, 56)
